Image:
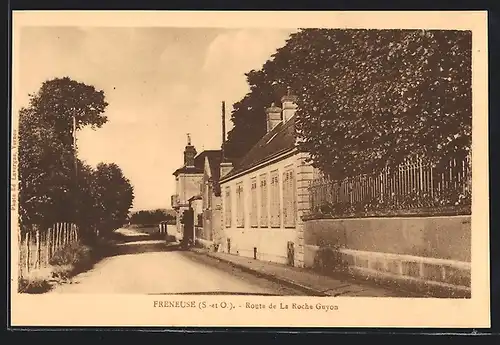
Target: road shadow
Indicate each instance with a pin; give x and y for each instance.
(119, 244)
(117, 237)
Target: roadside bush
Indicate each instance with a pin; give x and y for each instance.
(36, 282)
(170, 238)
(33, 286)
(215, 247)
(71, 259)
(329, 260)
(62, 272)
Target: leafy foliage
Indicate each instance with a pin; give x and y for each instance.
(113, 196)
(44, 170)
(46, 150)
(366, 98)
(249, 117)
(451, 202)
(151, 217)
(370, 98)
(55, 185)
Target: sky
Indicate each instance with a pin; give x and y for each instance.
(160, 83)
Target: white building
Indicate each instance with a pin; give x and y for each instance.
(188, 183)
(197, 186)
(265, 194)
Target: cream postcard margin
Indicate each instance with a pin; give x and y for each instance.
(137, 310)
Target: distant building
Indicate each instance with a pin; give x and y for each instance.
(211, 197)
(197, 186)
(265, 194)
(188, 181)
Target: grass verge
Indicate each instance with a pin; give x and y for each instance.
(67, 262)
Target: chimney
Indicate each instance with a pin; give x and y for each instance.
(225, 168)
(273, 117)
(189, 153)
(289, 105)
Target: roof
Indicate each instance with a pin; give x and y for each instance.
(214, 159)
(195, 197)
(189, 170)
(198, 168)
(279, 140)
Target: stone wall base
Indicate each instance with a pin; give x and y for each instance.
(435, 277)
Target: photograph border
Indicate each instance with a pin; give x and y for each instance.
(478, 276)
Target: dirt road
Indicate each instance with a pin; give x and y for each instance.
(151, 267)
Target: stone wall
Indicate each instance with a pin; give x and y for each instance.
(430, 253)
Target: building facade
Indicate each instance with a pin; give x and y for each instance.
(188, 182)
(210, 215)
(197, 187)
(265, 195)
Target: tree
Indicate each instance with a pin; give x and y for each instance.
(44, 169)
(113, 195)
(370, 98)
(87, 205)
(46, 152)
(61, 99)
(385, 95)
(267, 86)
(150, 217)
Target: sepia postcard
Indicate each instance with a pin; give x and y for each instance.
(257, 169)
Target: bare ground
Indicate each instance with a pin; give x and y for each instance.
(137, 264)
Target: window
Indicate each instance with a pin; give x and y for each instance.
(253, 211)
(240, 212)
(289, 213)
(264, 222)
(275, 200)
(227, 207)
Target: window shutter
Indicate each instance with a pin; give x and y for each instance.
(253, 196)
(228, 207)
(264, 201)
(275, 202)
(285, 198)
(291, 188)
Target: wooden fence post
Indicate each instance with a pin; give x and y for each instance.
(68, 233)
(54, 246)
(61, 235)
(27, 246)
(38, 247)
(65, 234)
(58, 236)
(48, 244)
(54, 238)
